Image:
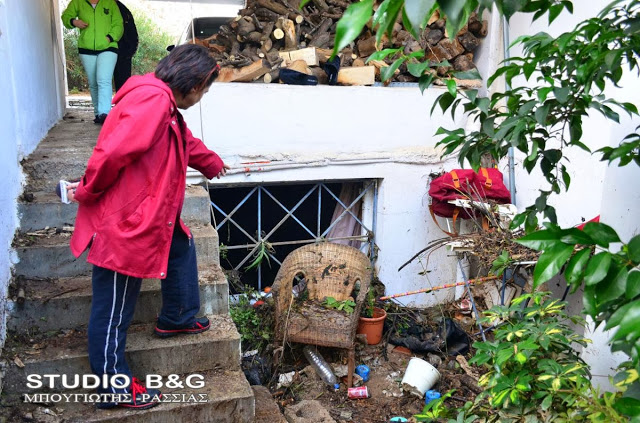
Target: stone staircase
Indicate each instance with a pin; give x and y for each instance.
(50, 301)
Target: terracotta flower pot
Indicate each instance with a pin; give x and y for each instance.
(372, 326)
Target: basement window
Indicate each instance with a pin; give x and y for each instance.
(259, 225)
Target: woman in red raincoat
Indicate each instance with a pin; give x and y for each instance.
(130, 199)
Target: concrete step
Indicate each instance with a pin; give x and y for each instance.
(46, 210)
(66, 303)
(50, 257)
(66, 354)
(228, 396)
(63, 154)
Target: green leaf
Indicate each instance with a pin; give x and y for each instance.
(627, 406)
(576, 236)
(546, 402)
(554, 11)
(540, 240)
(561, 93)
(633, 284)
(633, 249)
(387, 72)
(613, 286)
(550, 262)
(470, 74)
(451, 86)
(454, 10)
(380, 55)
(353, 20)
(601, 234)
(425, 81)
(630, 322)
(417, 11)
(575, 267)
(597, 268)
(417, 69)
(541, 113)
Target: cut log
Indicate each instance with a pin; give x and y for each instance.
(367, 46)
(266, 45)
(379, 64)
(300, 66)
(266, 14)
(468, 41)
(273, 6)
(278, 34)
(245, 26)
(359, 62)
(446, 49)
(324, 54)
(308, 54)
(299, 19)
(433, 18)
(320, 74)
(321, 5)
(244, 74)
(365, 75)
(290, 39)
(321, 40)
(463, 63)
(346, 58)
(339, 3)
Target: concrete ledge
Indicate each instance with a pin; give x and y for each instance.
(66, 303)
(215, 349)
(47, 210)
(52, 258)
(207, 244)
(196, 209)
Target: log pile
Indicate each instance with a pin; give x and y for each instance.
(270, 34)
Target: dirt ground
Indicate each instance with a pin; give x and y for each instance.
(387, 365)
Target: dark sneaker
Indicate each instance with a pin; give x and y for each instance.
(100, 119)
(200, 325)
(141, 397)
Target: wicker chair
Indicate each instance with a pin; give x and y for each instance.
(330, 270)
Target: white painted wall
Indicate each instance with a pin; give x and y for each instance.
(32, 100)
(316, 129)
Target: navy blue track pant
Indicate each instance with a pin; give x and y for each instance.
(114, 300)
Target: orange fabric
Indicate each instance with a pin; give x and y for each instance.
(488, 183)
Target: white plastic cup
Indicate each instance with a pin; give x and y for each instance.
(419, 377)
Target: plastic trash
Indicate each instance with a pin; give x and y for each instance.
(431, 395)
(299, 288)
(363, 372)
(321, 367)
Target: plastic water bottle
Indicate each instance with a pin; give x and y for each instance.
(321, 367)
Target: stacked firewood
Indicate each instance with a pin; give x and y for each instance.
(270, 34)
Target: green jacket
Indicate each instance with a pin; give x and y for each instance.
(105, 24)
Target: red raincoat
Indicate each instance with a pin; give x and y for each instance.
(132, 192)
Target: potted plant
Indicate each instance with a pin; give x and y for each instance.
(371, 321)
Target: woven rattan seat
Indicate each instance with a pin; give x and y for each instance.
(330, 270)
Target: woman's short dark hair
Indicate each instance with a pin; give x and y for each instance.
(188, 66)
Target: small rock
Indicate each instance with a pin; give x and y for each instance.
(434, 360)
(346, 415)
(285, 379)
(340, 370)
(18, 362)
(307, 411)
(452, 364)
(357, 380)
(27, 416)
(361, 338)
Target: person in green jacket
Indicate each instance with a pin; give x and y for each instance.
(100, 24)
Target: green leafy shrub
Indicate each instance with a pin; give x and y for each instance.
(254, 325)
(151, 49)
(347, 305)
(534, 372)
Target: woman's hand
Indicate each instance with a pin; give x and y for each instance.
(71, 191)
(223, 171)
(79, 23)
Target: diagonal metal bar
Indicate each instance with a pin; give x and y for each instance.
(289, 212)
(346, 209)
(233, 221)
(236, 208)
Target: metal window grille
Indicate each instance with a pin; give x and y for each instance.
(319, 232)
